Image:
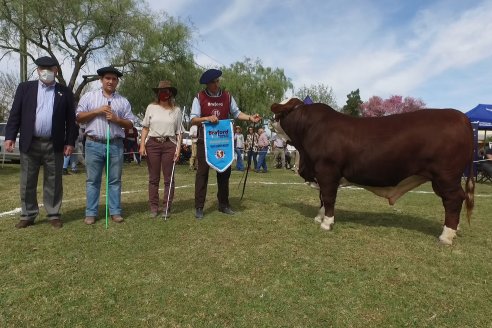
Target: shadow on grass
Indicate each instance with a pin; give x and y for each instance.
(128, 210)
(396, 220)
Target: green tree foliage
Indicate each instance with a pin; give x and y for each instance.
(124, 33)
(352, 106)
(319, 94)
(184, 75)
(255, 87)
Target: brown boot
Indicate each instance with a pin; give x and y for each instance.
(24, 224)
(56, 223)
(117, 218)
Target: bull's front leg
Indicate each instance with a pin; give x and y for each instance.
(328, 190)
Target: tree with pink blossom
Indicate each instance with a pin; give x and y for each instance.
(377, 106)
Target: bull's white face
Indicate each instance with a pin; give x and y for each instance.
(278, 129)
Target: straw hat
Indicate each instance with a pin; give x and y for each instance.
(166, 85)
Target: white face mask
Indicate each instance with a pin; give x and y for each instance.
(46, 76)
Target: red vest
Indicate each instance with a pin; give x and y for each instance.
(218, 106)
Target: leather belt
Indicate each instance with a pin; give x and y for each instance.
(160, 139)
(96, 139)
(41, 138)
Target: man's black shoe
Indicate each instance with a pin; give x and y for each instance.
(227, 210)
(199, 213)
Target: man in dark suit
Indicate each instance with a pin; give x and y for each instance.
(44, 113)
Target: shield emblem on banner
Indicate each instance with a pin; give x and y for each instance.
(219, 144)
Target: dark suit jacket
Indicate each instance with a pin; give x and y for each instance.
(64, 130)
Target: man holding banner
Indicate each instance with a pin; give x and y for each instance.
(215, 145)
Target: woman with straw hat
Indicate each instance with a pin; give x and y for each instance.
(161, 140)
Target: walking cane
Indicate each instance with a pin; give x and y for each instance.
(178, 144)
(108, 135)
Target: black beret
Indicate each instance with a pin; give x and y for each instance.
(46, 61)
(109, 69)
(210, 75)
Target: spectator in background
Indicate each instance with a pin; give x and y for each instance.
(251, 146)
(486, 165)
(162, 125)
(73, 159)
(294, 158)
(262, 151)
(278, 147)
(131, 145)
(194, 138)
(99, 110)
(238, 148)
(43, 112)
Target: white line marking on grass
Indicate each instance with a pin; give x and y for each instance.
(17, 210)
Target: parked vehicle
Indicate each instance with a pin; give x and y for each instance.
(6, 156)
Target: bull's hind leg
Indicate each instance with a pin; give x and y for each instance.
(321, 212)
(452, 196)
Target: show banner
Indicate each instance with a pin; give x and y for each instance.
(219, 144)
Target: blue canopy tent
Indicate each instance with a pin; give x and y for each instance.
(481, 118)
(482, 114)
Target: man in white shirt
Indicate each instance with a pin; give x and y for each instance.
(278, 146)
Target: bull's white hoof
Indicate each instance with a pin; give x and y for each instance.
(321, 215)
(313, 185)
(447, 236)
(327, 223)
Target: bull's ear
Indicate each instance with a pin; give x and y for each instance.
(289, 105)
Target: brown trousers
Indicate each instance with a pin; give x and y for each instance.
(201, 180)
(160, 158)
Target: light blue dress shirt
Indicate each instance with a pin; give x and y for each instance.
(44, 110)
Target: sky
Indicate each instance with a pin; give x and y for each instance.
(437, 50)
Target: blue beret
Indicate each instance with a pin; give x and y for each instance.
(210, 75)
(109, 69)
(46, 61)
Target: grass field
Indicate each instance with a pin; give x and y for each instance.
(268, 266)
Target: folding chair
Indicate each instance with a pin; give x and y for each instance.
(484, 172)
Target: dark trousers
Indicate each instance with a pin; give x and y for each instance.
(41, 153)
(201, 180)
(160, 158)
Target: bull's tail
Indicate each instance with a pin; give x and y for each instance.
(470, 193)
